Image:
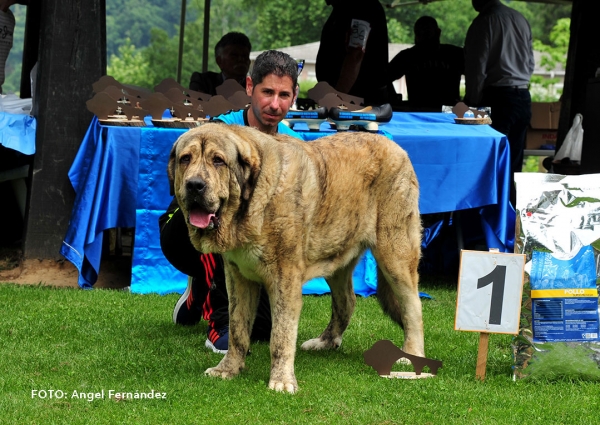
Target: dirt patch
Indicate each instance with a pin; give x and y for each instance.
(115, 272)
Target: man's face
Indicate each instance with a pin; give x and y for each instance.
(271, 101)
(234, 61)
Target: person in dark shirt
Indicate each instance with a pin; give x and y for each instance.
(232, 54)
(499, 64)
(432, 70)
(354, 70)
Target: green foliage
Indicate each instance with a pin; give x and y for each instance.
(286, 23)
(399, 33)
(542, 17)
(162, 57)
(305, 86)
(129, 67)
(556, 53)
(88, 341)
(133, 19)
(553, 56)
(531, 164)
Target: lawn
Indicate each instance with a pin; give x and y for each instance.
(85, 345)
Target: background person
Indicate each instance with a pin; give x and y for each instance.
(498, 66)
(432, 70)
(7, 27)
(271, 87)
(232, 54)
(9, 158)
(352, 70)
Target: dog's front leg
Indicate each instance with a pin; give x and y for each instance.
(286, 304)
(243, 302)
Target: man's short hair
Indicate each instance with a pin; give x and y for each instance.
(277, 63)
(232, 39)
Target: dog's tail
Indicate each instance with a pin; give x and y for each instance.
(387, 299)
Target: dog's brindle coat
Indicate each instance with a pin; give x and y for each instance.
(282, 211)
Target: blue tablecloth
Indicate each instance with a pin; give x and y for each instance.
(119, 176)
(17, 131)
(460, 167)
(104, 175)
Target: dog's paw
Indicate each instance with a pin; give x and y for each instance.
(284, 387)
(218, 372)
(228, 367)
(322, 344)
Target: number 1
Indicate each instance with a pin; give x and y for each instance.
(496, 277)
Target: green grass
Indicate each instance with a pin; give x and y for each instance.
(88, 341)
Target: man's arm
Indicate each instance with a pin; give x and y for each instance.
(350, 69)
(476, 58)
(531, 62)
(397, 67)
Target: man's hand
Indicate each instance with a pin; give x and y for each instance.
(350, 69)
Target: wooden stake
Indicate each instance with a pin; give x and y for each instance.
(482, 356)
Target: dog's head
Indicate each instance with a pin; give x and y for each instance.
(212, 172)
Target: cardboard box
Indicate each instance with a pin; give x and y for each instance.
(538, 138)
(545, 115)
(543, 125)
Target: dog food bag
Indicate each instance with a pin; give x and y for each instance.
(558, 230)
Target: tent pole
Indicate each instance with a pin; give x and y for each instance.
(181, 33)
(205, 38)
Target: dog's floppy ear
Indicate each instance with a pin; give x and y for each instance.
(171, 169)
(248, 168)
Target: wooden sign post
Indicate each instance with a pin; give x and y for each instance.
(490, 285)
(482, 353)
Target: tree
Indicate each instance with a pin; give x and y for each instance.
(161, 55)
(133, 20)
(542, 17)
(398, 32)
(286, 23)
(554, 55)
(129, 66)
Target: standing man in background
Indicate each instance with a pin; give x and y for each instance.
(432, 70)
(232, 53)
(354, 70)
(498, 66)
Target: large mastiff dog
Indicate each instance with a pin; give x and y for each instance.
(282, 211)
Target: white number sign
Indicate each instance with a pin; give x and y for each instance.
(490, 285)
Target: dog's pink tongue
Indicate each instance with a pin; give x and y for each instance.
(199, 218)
